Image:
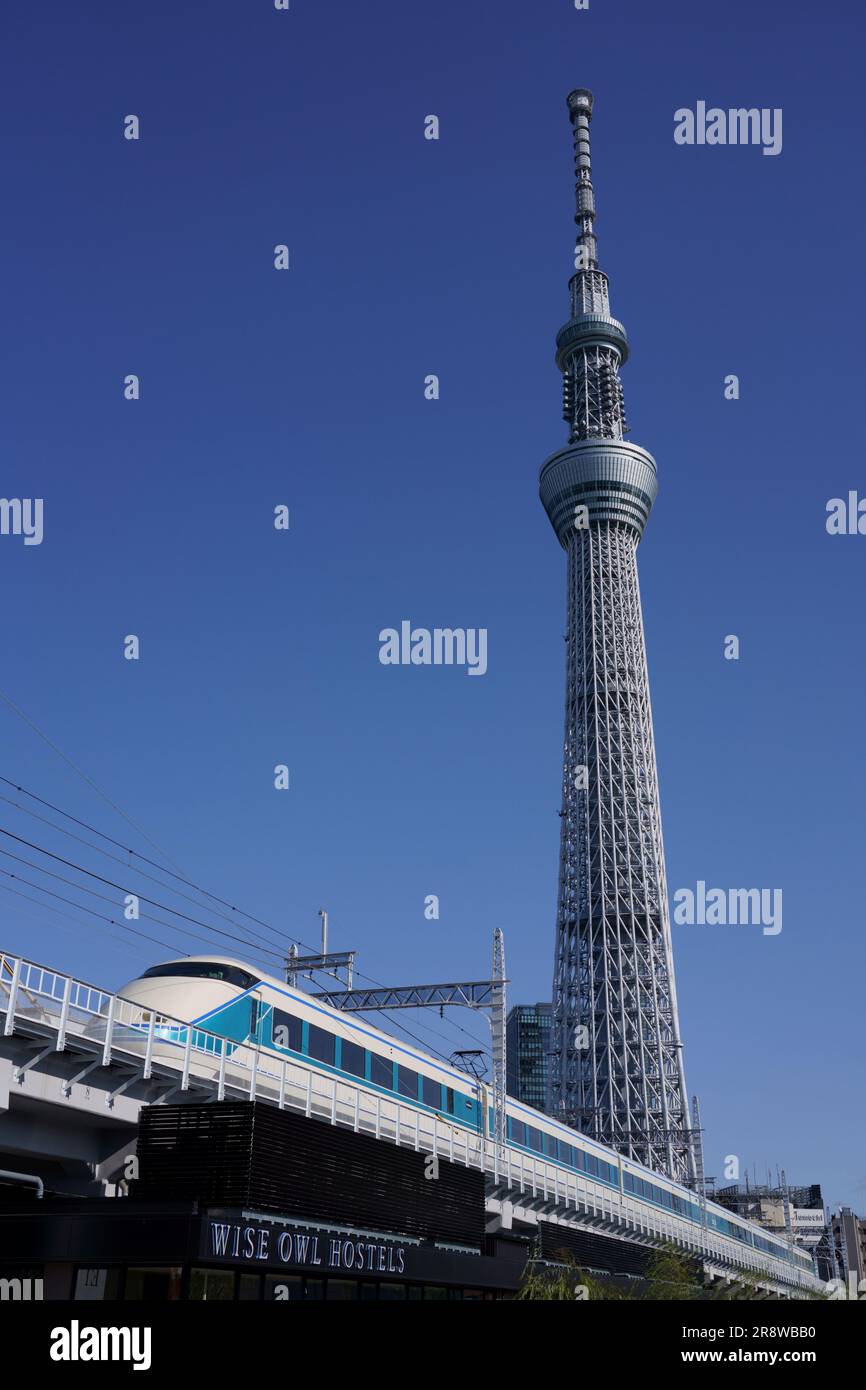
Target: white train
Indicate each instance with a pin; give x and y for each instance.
(230, 1006)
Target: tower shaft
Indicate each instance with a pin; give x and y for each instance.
(617, 1071)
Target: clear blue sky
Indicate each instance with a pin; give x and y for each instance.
(306, 388)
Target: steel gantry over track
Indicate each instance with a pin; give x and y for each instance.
(486, 995)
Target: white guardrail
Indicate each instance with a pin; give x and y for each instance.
(159, 1047)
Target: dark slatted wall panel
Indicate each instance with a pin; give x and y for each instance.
(245, 1154)
(593, 1251)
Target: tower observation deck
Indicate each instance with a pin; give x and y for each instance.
(616, 1067)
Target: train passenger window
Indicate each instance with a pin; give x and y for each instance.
(407, 1082)
(628, 1182)
(382, 1071)
(550, 1146)
(352, 1058)
(592, 1165)
(518, 1131)
(431, 1092)
(287, 1030)
(566, 1154)
(321, 1045)
(533, 1138)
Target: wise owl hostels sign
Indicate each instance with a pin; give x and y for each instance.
(252, 1243)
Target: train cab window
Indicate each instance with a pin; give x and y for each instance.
(407, 1082)
(287, 1030)
(382, 1071)
(431, 1092)
(449, 1100)
(202, 970)
(352, 1058)
(321, 1045)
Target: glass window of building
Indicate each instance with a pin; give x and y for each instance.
(342, 1289)
(212, 1285)
(92, 1285)
(153, 1284)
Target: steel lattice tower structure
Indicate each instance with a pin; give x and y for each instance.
(617, 1070)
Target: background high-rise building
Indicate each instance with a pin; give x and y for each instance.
(616, 1064)
(848, 1233)
(527, 1040)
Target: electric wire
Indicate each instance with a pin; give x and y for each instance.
(83, 775)
(261, 945)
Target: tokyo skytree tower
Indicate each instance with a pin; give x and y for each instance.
(616, 1072)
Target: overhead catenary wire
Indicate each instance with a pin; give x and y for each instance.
(121, 888)
(123, 946)
(262, 944)
(279, 940)
(82, 888)
(154, 845)
(124, 926)
(83, 775)
(116, 859)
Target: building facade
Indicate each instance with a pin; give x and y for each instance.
(527, 1035)
(848, 1233)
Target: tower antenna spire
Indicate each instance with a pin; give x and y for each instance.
(592, 346)
(580, 110)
